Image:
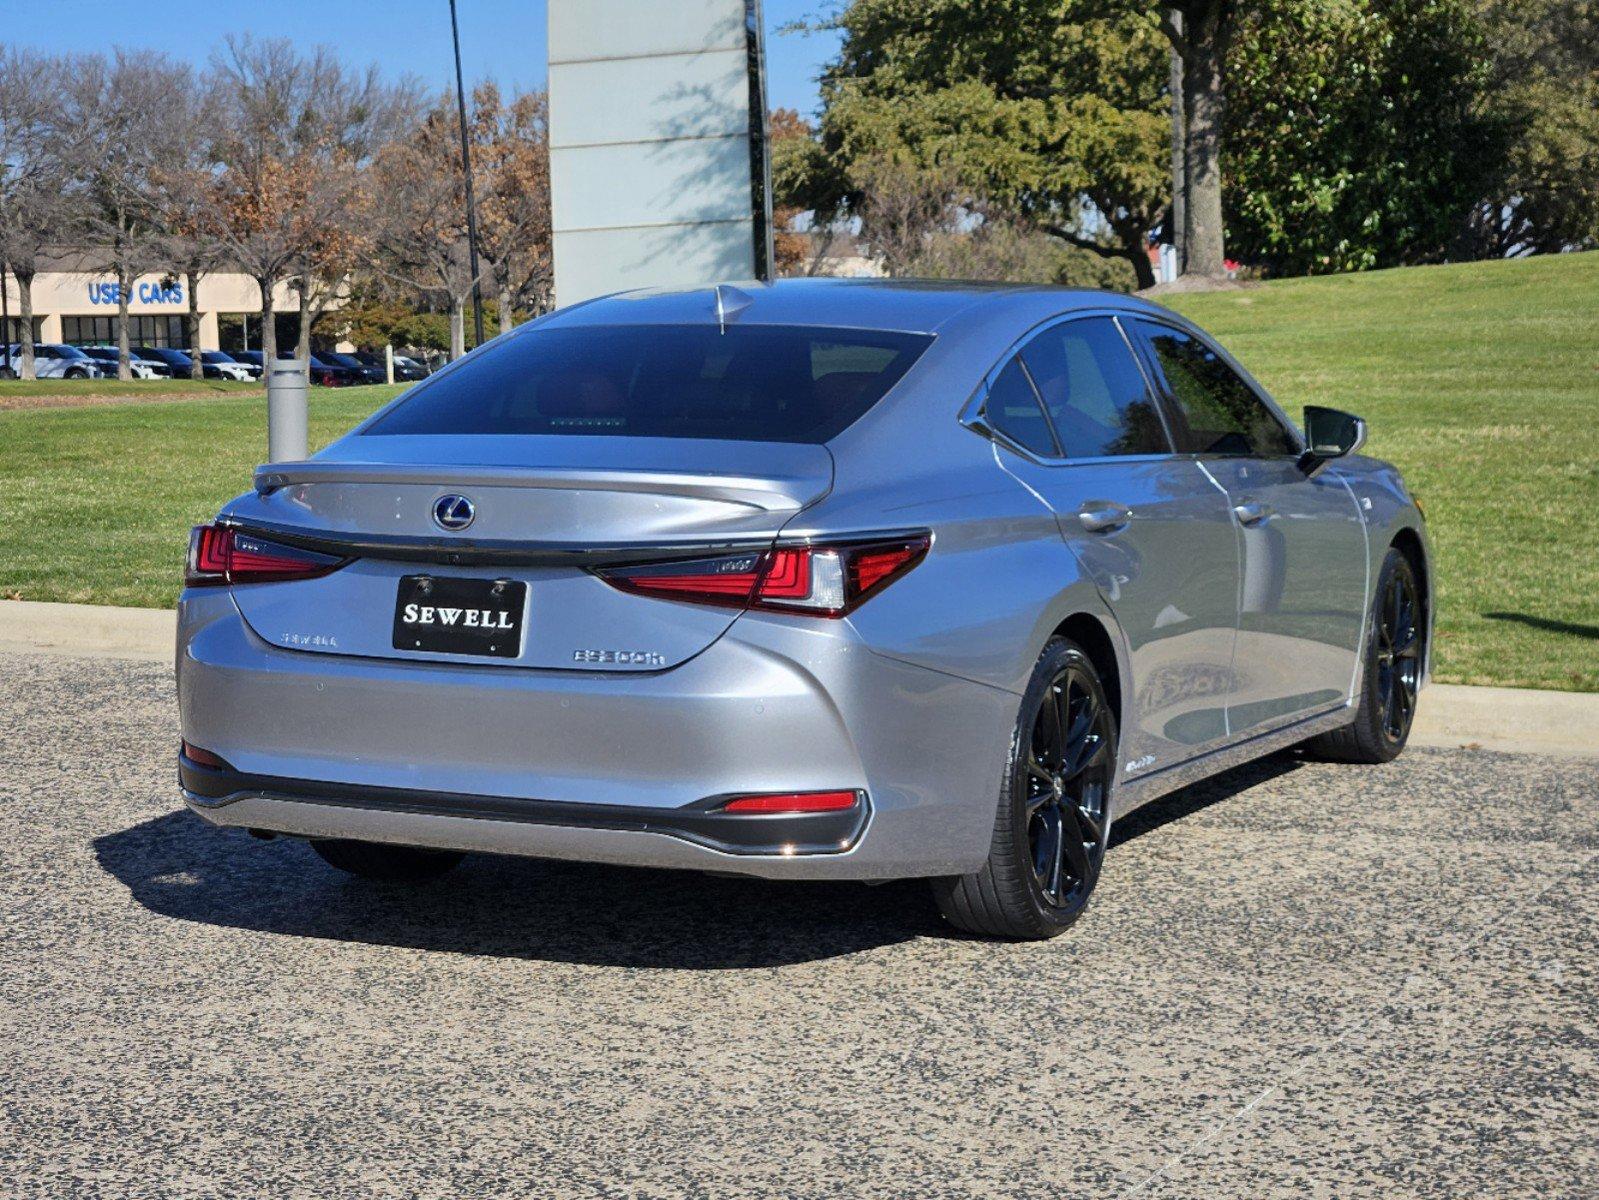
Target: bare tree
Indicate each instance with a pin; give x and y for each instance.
(121, 106)
(511, 178)
(37, 203)
(185, 190)
(420, 229)
(904, 206)
(291, 145)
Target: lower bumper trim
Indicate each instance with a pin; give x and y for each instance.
(785, 834)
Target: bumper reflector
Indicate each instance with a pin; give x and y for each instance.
(793, 802)
(203, 758)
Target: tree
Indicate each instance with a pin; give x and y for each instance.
(123, 104)
(420, 232)
(291, 145)
(420, 235)
(1053, 110)
(511, 180)
(1201, 35)
(1359, 134)
(1544, 78)
(37, 206)
(785, 128)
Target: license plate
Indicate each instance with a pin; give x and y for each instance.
(446, 615)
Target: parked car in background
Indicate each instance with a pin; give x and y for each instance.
(227, 367)
(406, 370)
(176, 361)
(324, 373)
(332, 374)
(362, 372)
(839, 580)
(54, 360)
(142, 368)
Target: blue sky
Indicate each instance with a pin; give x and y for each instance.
(499, 38)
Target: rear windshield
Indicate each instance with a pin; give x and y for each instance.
(764, 383)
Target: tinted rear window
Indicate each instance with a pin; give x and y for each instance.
(747, 383)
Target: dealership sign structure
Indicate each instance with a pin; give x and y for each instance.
(658, 160)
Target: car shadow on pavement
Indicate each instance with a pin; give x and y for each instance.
(180, 867)
(1196, 796)
(177, 866)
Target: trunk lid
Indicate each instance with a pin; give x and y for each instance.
(545, 510)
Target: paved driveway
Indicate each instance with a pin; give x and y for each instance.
(1299, 980)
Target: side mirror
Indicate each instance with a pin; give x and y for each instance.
(1329, 434)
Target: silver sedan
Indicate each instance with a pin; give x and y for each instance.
(819, 580)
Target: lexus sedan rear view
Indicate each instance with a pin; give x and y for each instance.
(815, 580)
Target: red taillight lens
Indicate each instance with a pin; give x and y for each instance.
(825, 580)
(222, 554)
(793, 802)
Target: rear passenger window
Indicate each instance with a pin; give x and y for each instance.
(1217, 412)
(1093, 391)
(1012, 409)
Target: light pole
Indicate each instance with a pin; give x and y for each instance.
(466, 171)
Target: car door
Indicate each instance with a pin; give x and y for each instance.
(1303, 587)
(1077, 424)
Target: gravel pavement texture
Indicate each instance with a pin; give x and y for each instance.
(1296, 980)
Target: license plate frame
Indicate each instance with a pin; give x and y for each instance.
(431, 614)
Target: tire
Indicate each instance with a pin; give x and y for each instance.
(77, 373)
(7, 373)
(1392, 674)
(1032, 885)
(391, 864)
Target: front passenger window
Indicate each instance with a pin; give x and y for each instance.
(1217, 412)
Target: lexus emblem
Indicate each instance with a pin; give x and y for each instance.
(453, 512)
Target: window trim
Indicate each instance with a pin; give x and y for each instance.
(973, 414)
(1150, 361)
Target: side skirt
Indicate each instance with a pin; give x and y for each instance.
(1133, 794)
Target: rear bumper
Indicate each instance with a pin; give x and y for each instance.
(612, 768)
(210, 790)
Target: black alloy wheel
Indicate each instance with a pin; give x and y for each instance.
(1069, 769)
(1053, 819)
(1394, 654)
(1398, 655)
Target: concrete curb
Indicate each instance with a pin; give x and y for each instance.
(91, 630)
(1514, 720)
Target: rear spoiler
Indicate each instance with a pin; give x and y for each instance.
(773, 493)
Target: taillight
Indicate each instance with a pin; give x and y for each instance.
(824, 580)
(221, 554)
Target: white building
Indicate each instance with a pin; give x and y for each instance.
(79, 306)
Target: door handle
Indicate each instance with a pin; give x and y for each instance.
(1251, 512)
(1104, 518)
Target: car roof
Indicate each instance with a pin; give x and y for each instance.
(904, 305)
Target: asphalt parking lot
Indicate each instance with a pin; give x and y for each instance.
(1299, 980)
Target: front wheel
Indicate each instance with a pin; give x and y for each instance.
(77, 373)
(391, 864)
(1054, 817)
(1391, 679)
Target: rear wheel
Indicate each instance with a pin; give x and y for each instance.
(1053, 820)
(1392, 675)
(392, 864)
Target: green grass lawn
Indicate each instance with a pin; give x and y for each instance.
(1481, 381)
(96, 503)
